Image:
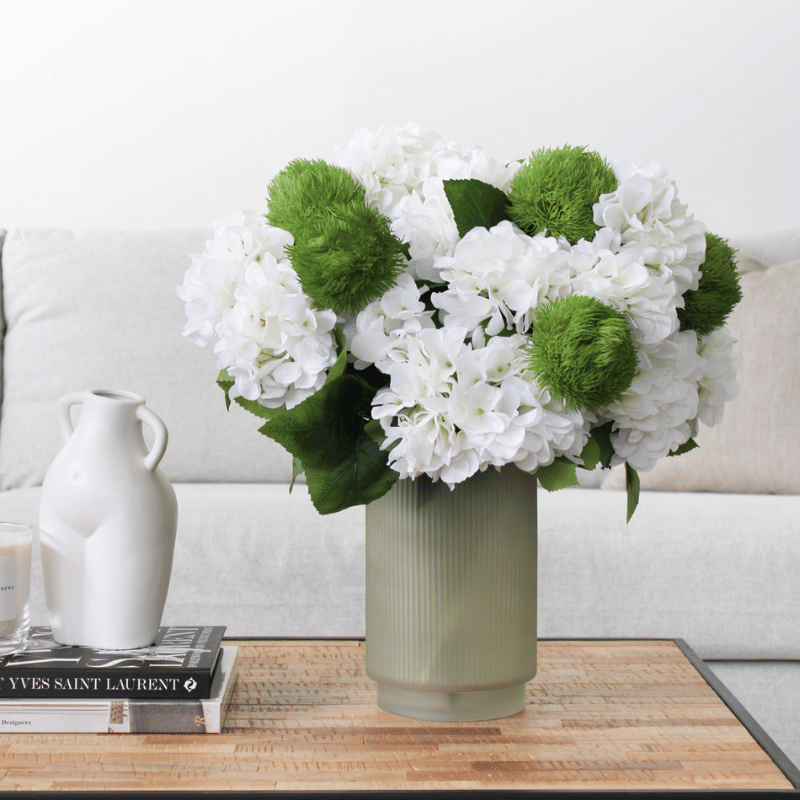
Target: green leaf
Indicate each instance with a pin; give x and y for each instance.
(475, 204)
(558, 475)
(297, 471)
(225, 382)
(331, 436)
(632, 486)
(684, 448)
(602, 436)
(360, 478)
(338, 445)
(374, 429)
(324, 428)
(590, 455)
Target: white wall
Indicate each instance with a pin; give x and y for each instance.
(164, 113)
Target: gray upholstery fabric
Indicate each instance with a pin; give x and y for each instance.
(263, 562)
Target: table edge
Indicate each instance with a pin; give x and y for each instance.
(765, 741)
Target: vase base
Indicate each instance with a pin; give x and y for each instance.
(451, 706)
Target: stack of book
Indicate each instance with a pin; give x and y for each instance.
(181, 684)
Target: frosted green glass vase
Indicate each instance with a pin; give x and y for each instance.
(451, 596)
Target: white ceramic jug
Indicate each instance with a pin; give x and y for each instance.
(107, 522)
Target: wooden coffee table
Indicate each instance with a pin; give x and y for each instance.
(605, 716)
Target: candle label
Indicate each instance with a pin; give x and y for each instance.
(8, 587)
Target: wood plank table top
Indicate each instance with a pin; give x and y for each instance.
(609, 716)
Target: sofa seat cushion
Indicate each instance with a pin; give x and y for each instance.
(265, 563)
(248, 556)
(720, 571)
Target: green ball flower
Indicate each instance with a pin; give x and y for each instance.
(582, 352)
(707, 307)
(305, 190)
(344, 251)
(555, 191)
(351, 259)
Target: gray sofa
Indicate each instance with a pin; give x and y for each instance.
(711, 556)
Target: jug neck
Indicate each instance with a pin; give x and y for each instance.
(111, 413)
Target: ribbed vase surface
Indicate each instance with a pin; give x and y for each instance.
(451, 596)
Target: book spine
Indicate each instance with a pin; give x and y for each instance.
(124, 716)
(88, 684)
(179, 666)
(93, 717)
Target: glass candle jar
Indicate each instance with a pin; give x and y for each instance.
(15, 586)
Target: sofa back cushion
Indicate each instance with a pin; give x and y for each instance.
(755, 448)
(98, 310)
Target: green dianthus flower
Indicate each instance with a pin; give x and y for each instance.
(582, 352)
(707, 307)
(344, 251)
(351, 259)
(555, 191)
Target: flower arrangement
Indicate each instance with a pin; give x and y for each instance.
(416, 307)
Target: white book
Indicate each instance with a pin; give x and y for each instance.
(126, 716)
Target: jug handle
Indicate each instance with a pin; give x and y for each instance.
(156, 453)
(62, 410)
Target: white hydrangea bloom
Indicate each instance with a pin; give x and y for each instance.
(500, 277)
(271, 342)
(452, 162)
(380, 333)
(451, 410)
(394, 161)
(653, 223)
(424, 219)
(402, 171)
(209, 283)
(537, 427)
(717, 384)
(389, 163)
(646, 295)
(655, 415)
(413, 410)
